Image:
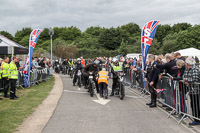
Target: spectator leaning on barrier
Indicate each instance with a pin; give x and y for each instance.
(5, 67)
(35, 63)
(179, 57)
(43, 63)
(170, 66)
(190, 76)
(13, 76)
(182, 91)
(132, 63)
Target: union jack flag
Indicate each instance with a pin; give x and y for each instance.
(159, 90)
(148, 33)
(32, 43)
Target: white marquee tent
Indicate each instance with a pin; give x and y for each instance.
(189, 52)
(8, 46)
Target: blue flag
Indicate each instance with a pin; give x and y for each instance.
(32, 43)
(148, 33)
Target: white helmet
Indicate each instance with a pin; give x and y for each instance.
(115, 60)
(78, 59)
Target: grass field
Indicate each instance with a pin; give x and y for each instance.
(13, 112)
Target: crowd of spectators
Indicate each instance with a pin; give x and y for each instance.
(184, 70)
(36, 64)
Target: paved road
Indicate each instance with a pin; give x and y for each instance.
(78, 113)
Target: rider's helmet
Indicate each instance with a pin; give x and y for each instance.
(78, 60)
(115, 60)
(96, 62)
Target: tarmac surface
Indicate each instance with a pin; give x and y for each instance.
(77, 112)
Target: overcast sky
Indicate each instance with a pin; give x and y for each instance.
(16, 14)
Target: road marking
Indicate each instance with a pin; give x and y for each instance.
(75, 91)
(133, 96)
(79, 88)
(101, 100)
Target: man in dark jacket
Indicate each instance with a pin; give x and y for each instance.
(93, 67)
(179, 57)
(170, 66)
(78, 66)
(65, 62)
(152, 78)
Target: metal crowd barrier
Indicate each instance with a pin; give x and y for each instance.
(36, 76)
(181, 99)
(188, 100)
(20, 80)
(39, 75)
(135, 80)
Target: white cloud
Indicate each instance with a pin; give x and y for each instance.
(16, 14)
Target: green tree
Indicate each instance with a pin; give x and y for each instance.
(70, 33)
(162, 31)
(44, 35)
(170, 43)
(136, 47)
(189, 38)
(94, 31)
(21, 34)
(7, 34)
(155, 47)
(130, 32)
(124, 48)
(46, 45)
(110, 39)
(180, 27)
(24, 41)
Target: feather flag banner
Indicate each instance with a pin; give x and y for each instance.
(32, 43)
(148, 33)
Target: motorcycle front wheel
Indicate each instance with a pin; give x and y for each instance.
(91, 90)
(122, 92)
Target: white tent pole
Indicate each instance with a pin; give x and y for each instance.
(12, 52)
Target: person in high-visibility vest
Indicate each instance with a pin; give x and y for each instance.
(103, 82)
(4, 68)
(1, 85)
(71, 63)
(13, 76)
(116, 67)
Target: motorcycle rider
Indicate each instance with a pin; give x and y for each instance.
(56, 67)
(78, 66)
(70, 64)
(65, 64)
(92, 67)
(116, 67)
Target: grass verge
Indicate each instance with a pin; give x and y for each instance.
(13, 112)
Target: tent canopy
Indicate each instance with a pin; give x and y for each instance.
(8, 46)
(189, 52)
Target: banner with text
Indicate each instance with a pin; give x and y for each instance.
(32, 43)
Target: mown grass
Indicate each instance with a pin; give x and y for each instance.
(13, 112)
